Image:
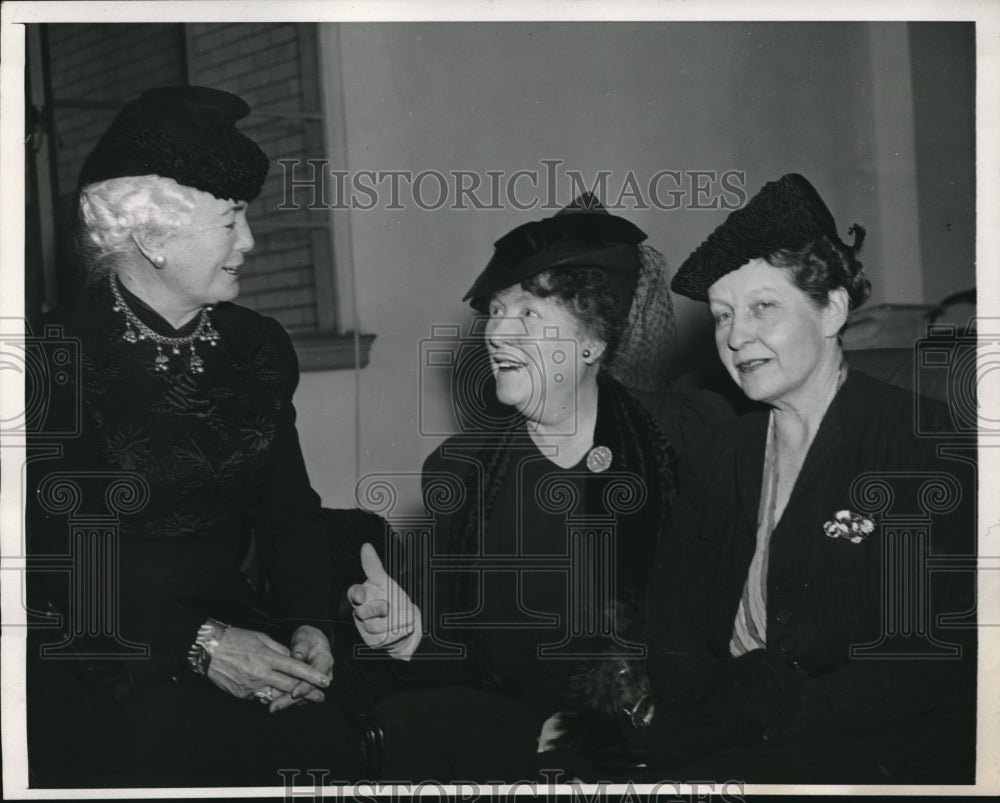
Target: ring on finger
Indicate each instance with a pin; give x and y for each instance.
(265, 695)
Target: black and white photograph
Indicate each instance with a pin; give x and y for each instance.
(579, 399)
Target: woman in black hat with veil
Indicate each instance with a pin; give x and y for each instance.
(577, 310)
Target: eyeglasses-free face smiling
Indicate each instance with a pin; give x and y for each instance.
(202, 261)
(771, 337)
(535, 345)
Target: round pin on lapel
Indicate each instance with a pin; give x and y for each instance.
(599, 459)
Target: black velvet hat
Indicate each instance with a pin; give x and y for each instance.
(583, 234)
(186, 133)
(787, 213)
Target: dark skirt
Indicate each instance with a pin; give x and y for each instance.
(173, 733)
(926, 749)
(457, 733)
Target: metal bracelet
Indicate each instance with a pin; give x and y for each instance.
(209, 635)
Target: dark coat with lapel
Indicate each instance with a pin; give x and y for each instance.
(851, 649)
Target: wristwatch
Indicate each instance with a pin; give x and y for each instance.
(209, 636)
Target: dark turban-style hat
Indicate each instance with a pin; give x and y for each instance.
(787, 213)
(583, 234)
(186, 133)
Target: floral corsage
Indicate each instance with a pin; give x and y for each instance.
(852, 526)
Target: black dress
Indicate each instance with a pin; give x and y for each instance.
(155, 501)
(868, 675)
(538, 572)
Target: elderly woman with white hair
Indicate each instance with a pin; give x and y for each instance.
(185, 399)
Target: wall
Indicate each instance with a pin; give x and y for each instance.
(944, 102)
(761, 98)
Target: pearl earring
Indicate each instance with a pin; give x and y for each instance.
(159, 260)
(586, 354)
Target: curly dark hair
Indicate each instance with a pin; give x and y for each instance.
(589, 295)
(822, 265)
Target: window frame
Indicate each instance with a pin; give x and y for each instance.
(336, 342)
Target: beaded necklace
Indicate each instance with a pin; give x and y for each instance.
(136, 330)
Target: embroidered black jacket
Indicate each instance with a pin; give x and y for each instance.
(203, 462)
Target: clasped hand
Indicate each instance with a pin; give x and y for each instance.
(384, 615)
(246, 662)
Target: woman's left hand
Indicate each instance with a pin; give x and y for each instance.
(310, 645)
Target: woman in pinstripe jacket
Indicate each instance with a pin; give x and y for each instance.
(811, 615)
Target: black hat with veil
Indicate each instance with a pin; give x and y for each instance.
(585, 235)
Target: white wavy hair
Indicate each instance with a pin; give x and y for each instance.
(113, 211)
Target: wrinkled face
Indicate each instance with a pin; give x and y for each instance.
(535, 347)
(202, 260)
(770, 335)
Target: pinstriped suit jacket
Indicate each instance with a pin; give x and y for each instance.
(855, 637)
